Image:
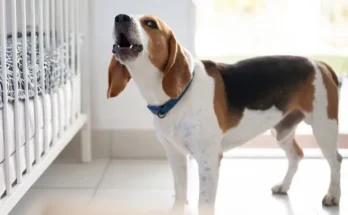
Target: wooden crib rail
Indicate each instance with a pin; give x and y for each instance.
(30, 31)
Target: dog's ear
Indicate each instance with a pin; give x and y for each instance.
(177, 73)
(118, 78)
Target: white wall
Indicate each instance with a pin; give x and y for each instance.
(128, 111)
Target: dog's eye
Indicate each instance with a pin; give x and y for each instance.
(151, 24)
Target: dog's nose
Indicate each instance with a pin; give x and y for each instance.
(122, 18)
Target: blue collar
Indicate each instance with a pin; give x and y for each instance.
(162, 110)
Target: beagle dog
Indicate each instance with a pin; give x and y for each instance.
(204, 108)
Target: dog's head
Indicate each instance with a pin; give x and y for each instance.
(147, 40)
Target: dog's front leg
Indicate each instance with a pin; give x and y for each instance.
(208, 161)
(178, 164)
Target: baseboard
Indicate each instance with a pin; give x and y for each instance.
(101, 146)
(143, 144)
(135, 144)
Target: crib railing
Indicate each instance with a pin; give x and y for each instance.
(56, 24)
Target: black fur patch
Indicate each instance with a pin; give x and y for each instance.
(261, 82)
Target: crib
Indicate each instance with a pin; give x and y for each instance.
(40, 90)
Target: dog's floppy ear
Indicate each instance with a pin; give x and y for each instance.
(118, 78)
(177, 73)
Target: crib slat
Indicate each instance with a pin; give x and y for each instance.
(34, 66)
(61, 40)
(5, 99)
(42, 74)
(67, 43)
(78, 36)
(15, 80)
(66, 31)
(73, 69)
(47, 24)
(61, 30)
(78, 30)
(53, 22)
(54, 94)
(26, 90)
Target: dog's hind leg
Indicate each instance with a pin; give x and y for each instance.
(284, 133)
(325, 128)
(326, 134)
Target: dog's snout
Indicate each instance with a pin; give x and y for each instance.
(121, 18)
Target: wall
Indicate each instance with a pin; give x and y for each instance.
(128, 111)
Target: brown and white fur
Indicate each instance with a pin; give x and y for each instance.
(215, 114)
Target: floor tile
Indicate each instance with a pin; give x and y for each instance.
(134, 174)
(152, 199)
(36, 199)
(72, 175)
(244, 186)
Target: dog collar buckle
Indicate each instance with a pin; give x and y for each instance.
(160, 115)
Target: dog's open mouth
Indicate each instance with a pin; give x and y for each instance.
(124, 43)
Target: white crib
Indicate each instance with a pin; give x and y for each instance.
(40, 88)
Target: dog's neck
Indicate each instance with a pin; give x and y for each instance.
(148, 79)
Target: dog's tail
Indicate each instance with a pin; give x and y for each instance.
(333, 74)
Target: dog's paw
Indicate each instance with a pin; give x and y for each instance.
(331, 200)
(280, 189)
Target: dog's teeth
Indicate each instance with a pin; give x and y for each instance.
(118, 46)
(131, 46)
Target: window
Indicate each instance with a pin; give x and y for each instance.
(230, 30)
(254, 27)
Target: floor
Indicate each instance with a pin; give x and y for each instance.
(244, 186)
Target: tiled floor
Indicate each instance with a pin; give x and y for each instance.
(244, 186)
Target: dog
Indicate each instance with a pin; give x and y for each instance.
(203, 108)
